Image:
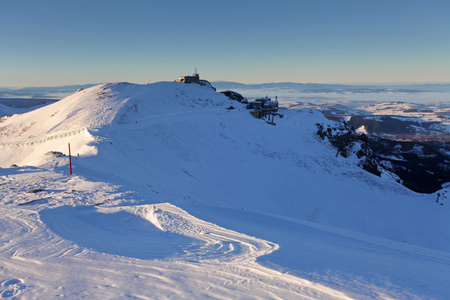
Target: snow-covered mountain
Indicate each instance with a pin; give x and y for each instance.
(176, 196)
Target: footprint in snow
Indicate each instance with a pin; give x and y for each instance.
(13, 287)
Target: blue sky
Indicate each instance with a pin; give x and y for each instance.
(48, 43)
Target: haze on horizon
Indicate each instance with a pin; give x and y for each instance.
(50, 43)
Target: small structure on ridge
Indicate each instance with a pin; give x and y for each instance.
(195, 78)
(265, 108)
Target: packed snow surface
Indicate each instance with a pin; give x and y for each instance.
(175, 196)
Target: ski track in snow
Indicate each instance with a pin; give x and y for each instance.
(221, 265)
(220, 245)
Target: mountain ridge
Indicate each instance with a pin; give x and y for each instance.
(172, 154)
(123, 114)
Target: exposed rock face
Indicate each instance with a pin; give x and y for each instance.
(235, 96)
(348, 143)
(204, 82)
(421, 167)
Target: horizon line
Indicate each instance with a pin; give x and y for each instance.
(260, 83)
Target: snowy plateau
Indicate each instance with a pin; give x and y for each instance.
(174, 196)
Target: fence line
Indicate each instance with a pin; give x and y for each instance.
(41, 141)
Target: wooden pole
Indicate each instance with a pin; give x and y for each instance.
(70, 161)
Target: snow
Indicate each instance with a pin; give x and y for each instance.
(174, 196)
(362, 129)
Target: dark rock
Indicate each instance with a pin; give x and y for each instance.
(34, 191)
(235, 96)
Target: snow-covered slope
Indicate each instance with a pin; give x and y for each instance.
(6, 111)
(170, 182)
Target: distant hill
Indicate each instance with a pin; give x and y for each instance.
(324, 88)
(41, 92)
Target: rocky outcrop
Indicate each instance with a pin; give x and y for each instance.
(235, 96)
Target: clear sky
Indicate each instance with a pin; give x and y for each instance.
(59, 42)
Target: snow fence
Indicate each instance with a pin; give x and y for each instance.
(44, 140)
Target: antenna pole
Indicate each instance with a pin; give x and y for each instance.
(70, 161)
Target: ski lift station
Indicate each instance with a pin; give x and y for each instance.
(263, 107)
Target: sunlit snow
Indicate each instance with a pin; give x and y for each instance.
(174, 196)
